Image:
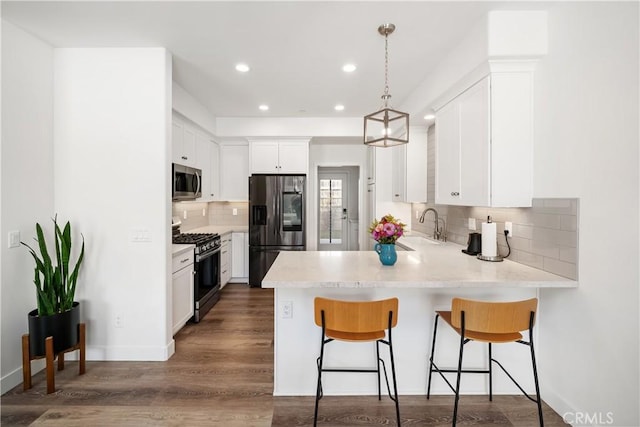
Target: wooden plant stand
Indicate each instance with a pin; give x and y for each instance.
(50, 357)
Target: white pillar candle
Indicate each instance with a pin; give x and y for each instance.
(489, 239)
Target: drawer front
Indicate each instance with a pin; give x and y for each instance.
(225, 261)
(181, 261)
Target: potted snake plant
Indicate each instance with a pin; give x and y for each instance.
(57, 315)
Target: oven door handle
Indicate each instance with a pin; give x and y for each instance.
(207, 254)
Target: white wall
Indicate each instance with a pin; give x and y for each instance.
(586, 145)
(112, 138)
(184, 103)
(26, 180)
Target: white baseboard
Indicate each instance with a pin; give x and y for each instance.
(130, 353)
(558, 404)
(153, 354)
(14, 378)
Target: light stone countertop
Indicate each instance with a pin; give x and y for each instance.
(430, 265)
(178, 249)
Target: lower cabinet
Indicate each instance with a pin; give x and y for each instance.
(225, 259)
(240, 257)
(182, 286)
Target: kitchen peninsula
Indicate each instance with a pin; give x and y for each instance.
(424, 279)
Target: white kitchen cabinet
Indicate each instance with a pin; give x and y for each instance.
(484, 143)
(371, 165)
(203, 162)
(240, 257)
(183, 143)
(398, 170)
(214, 176)
(371, 214)
(182, 290)
(275, 157)
(409, 168)
(225, 259)
(208, 160)
(234, 172)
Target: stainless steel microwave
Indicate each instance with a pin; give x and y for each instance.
(187, 182)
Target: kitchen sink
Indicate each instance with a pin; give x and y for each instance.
(413, 242)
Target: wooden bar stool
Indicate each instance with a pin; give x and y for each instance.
(357, 321)
(50, 357)
(490, 322)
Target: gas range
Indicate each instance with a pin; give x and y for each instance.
(206, 267)
(203, 241)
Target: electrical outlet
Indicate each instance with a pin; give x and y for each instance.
(417, 214)
(472, 224)
(508, 226)
(184, 214)
(235, 211)
(119, 321)
(286, 310)
(204, 211)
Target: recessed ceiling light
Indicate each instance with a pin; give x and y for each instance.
(348, 68)
(339, 107)
(243, 68)
(264, 107)
(429, 117)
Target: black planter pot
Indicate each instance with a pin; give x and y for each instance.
(63, 327)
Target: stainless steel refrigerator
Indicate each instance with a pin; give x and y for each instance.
(276, 220)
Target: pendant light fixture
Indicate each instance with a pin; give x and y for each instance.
(386, 127)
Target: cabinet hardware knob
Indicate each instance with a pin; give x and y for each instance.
(184, 157)
(455, 193)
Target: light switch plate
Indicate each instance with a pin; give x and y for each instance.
(472, 224)
(14, 239)
(139, 235)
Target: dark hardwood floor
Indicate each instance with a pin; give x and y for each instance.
(222, 375)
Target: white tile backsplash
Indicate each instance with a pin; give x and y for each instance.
(215, 213)
(545, 236)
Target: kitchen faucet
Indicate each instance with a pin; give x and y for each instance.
(438, 233)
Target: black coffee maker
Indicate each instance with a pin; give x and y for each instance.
(474, 244)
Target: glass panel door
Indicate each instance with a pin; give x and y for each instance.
(332, 212)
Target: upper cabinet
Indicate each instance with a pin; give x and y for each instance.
(279, 157)
(484, 143)
(234, 172)
(214, 176)
(193, 146)
(409, 168)
(208, 160)
(203, 162)
(183, 142)
(371, 165)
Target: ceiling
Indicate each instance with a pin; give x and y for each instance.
(296, 49)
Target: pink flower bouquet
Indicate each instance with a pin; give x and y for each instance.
(387, 230)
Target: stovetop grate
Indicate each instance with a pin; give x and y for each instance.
(194, 238)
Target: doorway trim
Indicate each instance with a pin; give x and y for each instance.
(352, 173)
